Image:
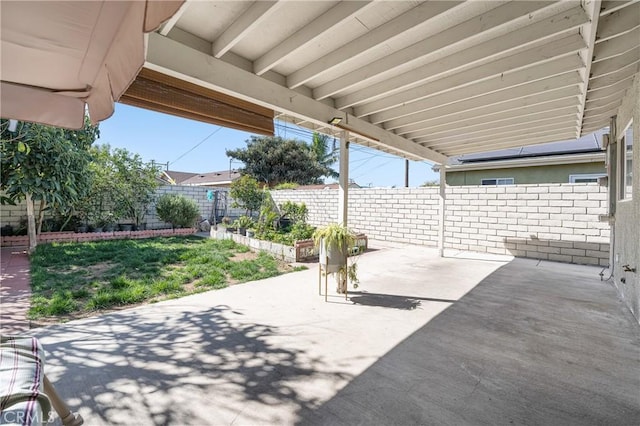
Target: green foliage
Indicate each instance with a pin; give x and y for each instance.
(335, 234)
(177, 210)
(49, 163)
(274, 160)
(286, 185)
(324, 154)
(297, 212)
(81, 277)
(431, 183)
(243, 222)
(246, 193)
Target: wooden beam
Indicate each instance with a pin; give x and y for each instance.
(616, 46)
(539, 101)
(502, 83)
(500, 68)
(614, 77)
(614, 88)
(619, 22)
(502, 49)
(526, 94)
(408, 22)
(168, 26)
(335, 16)
(175, 59)
(248, 21)
(514, 143)
(609, 66)
(471, 28)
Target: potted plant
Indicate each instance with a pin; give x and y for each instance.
(242, 223)
(334, 242)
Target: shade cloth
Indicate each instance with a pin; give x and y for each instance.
(58, 56)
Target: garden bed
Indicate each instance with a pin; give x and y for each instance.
(301, 251)
(73, 237)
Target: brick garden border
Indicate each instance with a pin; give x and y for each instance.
(73, 237)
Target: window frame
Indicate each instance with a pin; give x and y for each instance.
(596, 176)
(497, 181)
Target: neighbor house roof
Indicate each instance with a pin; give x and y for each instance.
(220, 178)
(583, 150)
(213, 178)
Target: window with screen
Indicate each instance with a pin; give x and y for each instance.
(497, 181)
(626, 164)
(586, 177)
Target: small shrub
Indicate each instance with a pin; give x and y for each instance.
(297, 212)
(286, 185)
(177, 210)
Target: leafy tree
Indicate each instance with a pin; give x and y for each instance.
(324, 154)
(274, 160)
(136, 183)
(246, 193)
(177, 210)
(46, 165)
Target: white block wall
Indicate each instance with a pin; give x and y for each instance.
(547, 221)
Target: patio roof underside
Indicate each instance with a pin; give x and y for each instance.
(424, 80)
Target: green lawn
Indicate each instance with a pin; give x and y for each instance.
(75, 278)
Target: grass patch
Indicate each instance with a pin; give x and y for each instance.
(70, 279)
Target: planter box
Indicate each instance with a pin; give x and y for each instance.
(303, 250)
(72, 237)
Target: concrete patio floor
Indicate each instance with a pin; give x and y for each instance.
(425, 340)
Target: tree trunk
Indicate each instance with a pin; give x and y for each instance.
(31, 224)
(43, 204)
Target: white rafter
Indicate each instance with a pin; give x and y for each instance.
(343, 11)
(500, 67)
(446, 39)
(400, 25)
(452, 113)
(454, 123)
(251, 19)
(499, 47)
(478, 97)
(168, 26)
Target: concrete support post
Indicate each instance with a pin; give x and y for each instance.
(442, 216)
(343, 193)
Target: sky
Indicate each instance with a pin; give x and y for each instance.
(192, 146)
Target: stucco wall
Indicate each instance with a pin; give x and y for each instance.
(526, 175)
(627, 216)
(551, 221)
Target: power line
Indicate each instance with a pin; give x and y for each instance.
(197, 145)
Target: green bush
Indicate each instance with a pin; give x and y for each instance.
(286, 185)
(177, 210)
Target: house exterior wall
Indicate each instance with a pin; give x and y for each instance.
(547, 221)
(525, 175)
(626, 228)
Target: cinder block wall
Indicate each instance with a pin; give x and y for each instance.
(545, 221)
(196, 193)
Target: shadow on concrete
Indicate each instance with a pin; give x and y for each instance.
(556, 250)
(390, 300)
(129, 368)
(532, 343)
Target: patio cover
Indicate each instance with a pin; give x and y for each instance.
(423, 80)
(58, 56)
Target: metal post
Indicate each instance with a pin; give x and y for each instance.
(442, 216)
(343, 193)
(406, 173)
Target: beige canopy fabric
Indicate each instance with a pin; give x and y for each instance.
(58, 56)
